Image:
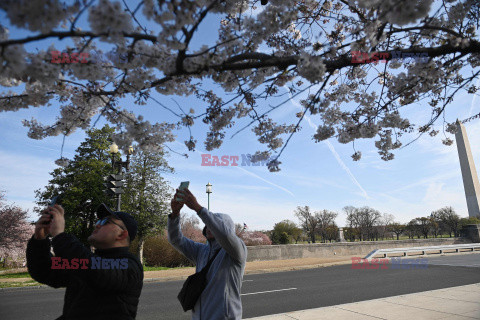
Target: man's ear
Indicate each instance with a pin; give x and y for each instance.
(123, 235)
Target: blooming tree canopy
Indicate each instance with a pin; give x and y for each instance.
(327, 52)
(15, 230)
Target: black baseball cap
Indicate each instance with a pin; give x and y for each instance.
(104, 211)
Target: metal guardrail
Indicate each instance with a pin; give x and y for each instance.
(423, 250)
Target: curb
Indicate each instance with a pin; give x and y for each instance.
(259, 271)
(42, 286)
(178, 278)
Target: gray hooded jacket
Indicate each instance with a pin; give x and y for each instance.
(221, 297)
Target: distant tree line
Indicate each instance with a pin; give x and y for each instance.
(368, 224)
(440, 222)
(365, 224)
(314, 226)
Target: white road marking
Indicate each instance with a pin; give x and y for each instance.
(455, 265)
(247, 280)
(246, 294)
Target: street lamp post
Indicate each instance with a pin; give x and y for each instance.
(209, 190)
(119, 165)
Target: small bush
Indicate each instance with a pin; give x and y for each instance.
(158, 252)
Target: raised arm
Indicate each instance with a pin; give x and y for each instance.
(39, 264)
(185, 246)
(39, 258)
(221, 226)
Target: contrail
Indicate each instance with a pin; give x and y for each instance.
(256, 176)
(332, 149)
(265, 180)
(342, 164)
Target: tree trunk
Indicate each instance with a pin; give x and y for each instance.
(141, 241)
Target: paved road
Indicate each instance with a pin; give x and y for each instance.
(275, 292)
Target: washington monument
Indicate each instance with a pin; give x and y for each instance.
(469, 173)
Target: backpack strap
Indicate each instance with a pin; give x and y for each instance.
(209, 263)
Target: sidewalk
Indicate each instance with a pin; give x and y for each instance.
(451, 303)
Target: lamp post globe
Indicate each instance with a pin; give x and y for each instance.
(117, 166)
(209, 190)
(113, 148)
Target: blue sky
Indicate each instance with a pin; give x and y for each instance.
(424, 176)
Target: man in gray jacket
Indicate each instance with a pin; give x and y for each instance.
(221, 297)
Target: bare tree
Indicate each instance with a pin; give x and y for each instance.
(413, 229)
(397, 228)
(384, 224)
(424, 225)
(331, 232)
(325, 220)
(364, 219)
(308, 221)
(450, 219)
(436, 224)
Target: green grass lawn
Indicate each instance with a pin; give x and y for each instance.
(15, 275)
(26, 275)
(28, 283)
(31, 282)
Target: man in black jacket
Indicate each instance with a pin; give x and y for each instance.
(101, 285)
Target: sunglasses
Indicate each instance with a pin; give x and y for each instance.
(104, 221)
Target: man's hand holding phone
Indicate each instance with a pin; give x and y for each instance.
(42, 226)
(52, 221)
(177, 201)
(176, 205)
(189, 199)
(183, 185)
(57, 225)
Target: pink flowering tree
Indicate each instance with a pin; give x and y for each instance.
(355, 64)
(14, 233)
(255, 238)
(190, 226)
(251, 238)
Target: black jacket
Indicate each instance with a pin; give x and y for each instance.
(91, 293)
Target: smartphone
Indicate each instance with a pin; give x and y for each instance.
(52, 202)
(183, 185)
